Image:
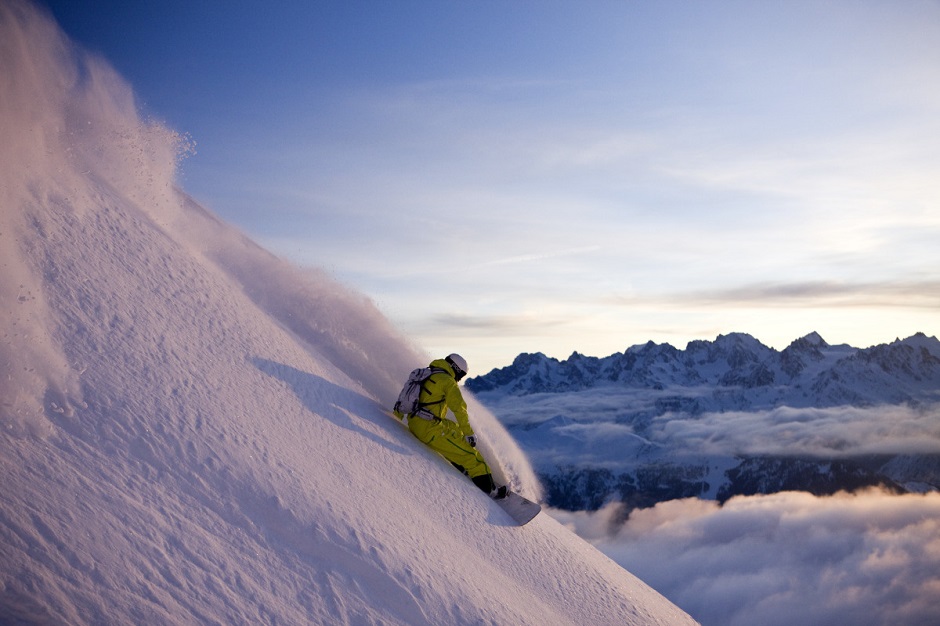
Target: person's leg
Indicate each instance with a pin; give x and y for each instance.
(446, 440)
(453, 447)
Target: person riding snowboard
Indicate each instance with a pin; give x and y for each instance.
(453, 440)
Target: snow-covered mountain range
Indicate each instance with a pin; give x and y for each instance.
(196, 432)
(724, 417)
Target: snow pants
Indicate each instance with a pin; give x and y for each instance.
(445, 438)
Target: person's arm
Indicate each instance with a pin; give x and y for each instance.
(458, 407)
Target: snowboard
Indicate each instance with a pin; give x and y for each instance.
(519, 508)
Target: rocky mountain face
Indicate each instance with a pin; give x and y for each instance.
(724, 417)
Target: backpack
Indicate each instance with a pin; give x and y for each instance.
(408, 404)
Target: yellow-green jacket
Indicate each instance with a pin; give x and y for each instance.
(441, 392)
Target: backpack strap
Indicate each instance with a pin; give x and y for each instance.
(422, 405)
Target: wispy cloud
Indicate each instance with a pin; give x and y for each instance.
(824, 433)
(529, 258)
(817, 294)
(819, 432)
(499, 324)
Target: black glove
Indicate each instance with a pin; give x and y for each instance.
(472, 440)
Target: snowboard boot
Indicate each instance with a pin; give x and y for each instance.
(488, 486)
(484, 482)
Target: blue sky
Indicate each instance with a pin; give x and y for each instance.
(506, 177)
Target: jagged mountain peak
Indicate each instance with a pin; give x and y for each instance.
(920, 340)
(528, 359)
(813, 339)
(649, 347)
(738, 339)
(723, 345)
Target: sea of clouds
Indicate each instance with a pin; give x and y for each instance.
(835, 432)
(789, 558)
(588, 424)
(869, 558)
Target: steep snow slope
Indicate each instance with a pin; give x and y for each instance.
(195, 432)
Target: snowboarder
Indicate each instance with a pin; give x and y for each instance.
(454, 440)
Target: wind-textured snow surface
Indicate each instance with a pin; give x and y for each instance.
(195, 432)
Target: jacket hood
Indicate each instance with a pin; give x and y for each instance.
(444, 365)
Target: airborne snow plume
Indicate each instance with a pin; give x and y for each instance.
(194, 431)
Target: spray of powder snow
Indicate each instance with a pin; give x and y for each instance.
(71, 137)
(38, 96)
(73, 141)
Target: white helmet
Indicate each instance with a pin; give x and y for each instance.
(459, 365)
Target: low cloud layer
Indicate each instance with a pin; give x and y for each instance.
(826, 433)
(788, 558)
